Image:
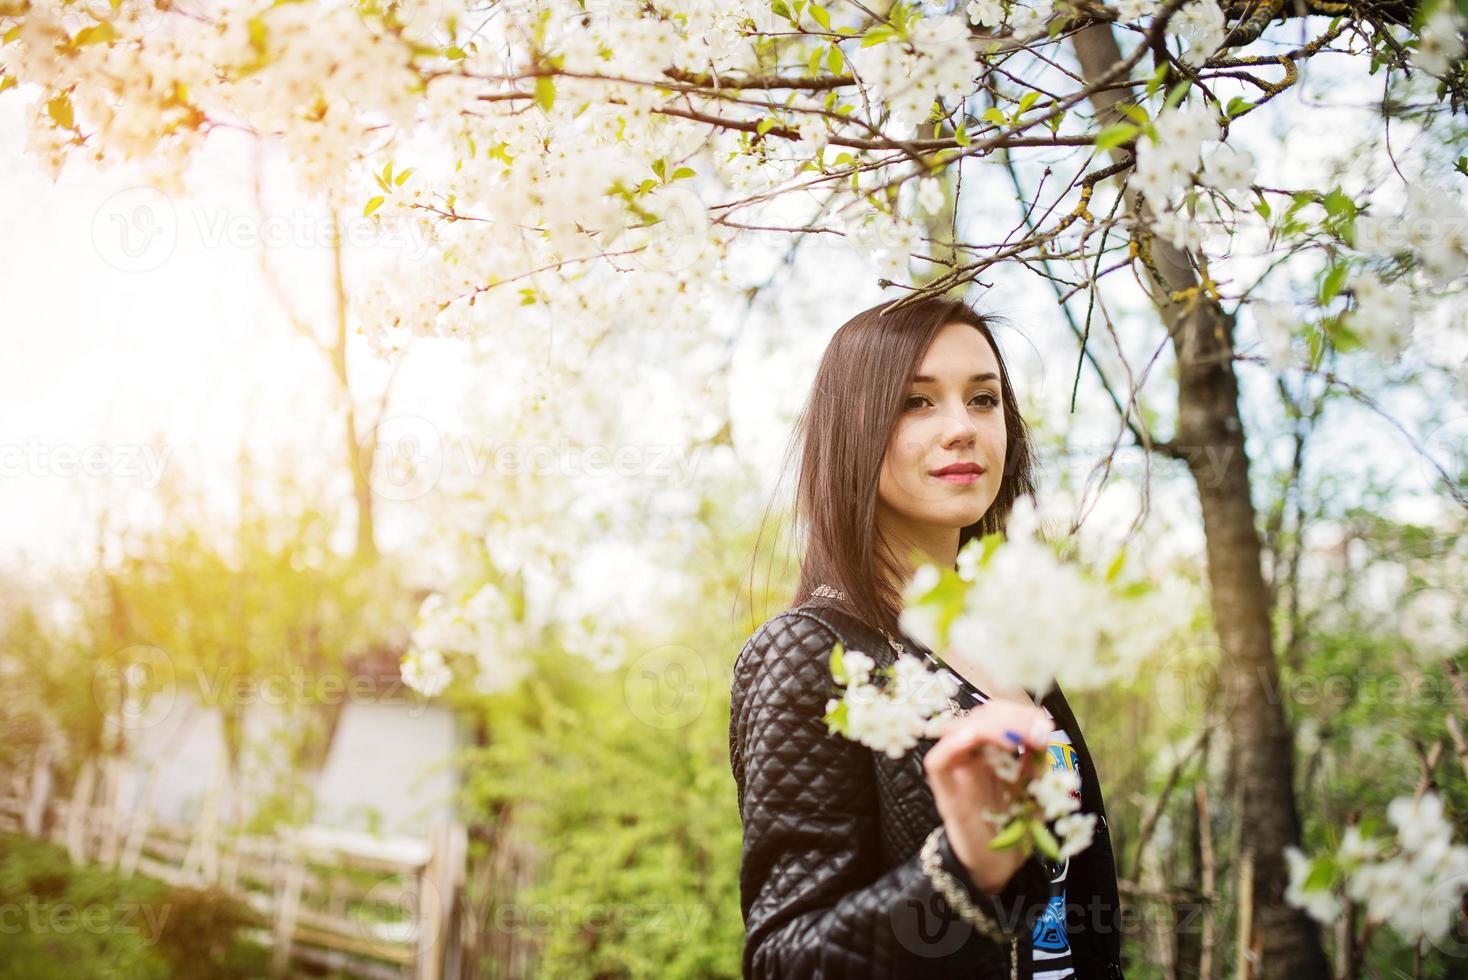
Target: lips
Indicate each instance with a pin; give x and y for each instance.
(959, 469)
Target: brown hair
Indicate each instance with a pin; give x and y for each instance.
(843, 431)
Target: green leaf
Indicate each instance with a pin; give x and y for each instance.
(373, 205)
(1175, 94)
(877, 35)
(1115, 135)
(814, 64)
(545, 92)
(1322, 875)
(1114, 569)
(682, 172)
(1135, 113)
(780, 9)
(1332, 283)
(96, 34)
(1009, 836)
(1027, 100)
(819, 15)
(766, 124)
(960, 135)
(1154, 84)
(1315, 342)
(59, 109)
(1342, 336)
(838, 664)
(1262, 206)
(1137, 589)
(1044, 840)
(1338, 204)
(835, 62)
(1237, 106)
(995, 116)
(836, 719)
(403, 176)
(7, 81)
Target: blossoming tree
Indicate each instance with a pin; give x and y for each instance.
(588, 168)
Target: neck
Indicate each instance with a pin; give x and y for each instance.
(908, 544)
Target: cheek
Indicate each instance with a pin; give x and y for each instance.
(994, 435)
(905, 448)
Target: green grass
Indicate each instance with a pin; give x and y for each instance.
(60, 920)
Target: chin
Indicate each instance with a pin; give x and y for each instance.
(958, 517)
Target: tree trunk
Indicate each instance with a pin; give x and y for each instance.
(1210, 438)
(359, 457)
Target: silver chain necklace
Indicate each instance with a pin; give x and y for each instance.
(828, 592)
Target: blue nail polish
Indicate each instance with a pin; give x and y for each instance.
(1014, 736)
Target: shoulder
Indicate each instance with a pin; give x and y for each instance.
(788, 656)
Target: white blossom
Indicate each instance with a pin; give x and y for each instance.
(1201, 24)
(426, 672)
(1276, 323)
(1128, 11)
(891, 718)
(1076, 831)
(1056, 791)
(940, 64)
(1320, 904)
(930, 195)
(1382, 317)
(1229, 168)
(985, 13)
(1415, 889)
(1440, 43)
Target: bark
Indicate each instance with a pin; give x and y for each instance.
(1210, 438)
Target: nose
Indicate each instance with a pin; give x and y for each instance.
(958, 428)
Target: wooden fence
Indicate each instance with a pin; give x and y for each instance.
(363, 905)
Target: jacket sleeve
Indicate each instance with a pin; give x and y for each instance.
(814, 896)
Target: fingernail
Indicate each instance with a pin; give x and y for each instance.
(1014, 736)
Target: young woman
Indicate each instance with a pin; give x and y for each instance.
(859, 865)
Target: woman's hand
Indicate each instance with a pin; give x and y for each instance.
(965, 785)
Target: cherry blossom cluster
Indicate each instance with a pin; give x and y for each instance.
(1413, 884)
(888, 709)
(997, 612)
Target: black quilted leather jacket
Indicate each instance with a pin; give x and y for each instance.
(830, 879)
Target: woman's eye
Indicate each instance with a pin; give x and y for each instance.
(987, 398)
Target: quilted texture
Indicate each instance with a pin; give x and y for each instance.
(830, 879)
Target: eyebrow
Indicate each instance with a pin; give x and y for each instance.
(925, 379)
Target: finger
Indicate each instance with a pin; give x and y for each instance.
(998, 724)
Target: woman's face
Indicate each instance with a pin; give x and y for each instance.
(952, 416)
